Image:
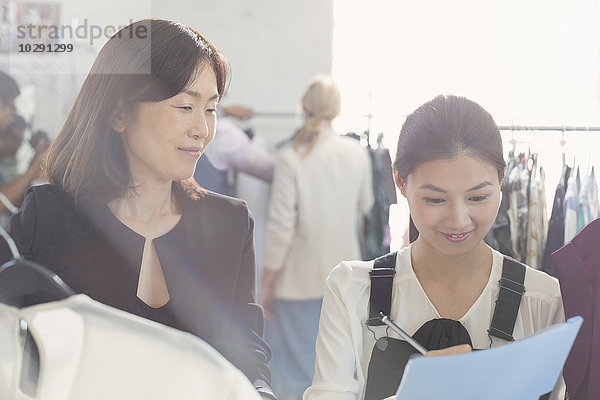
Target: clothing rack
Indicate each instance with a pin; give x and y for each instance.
(563, 129)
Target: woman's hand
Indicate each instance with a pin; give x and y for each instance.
(461, 348)
(267, 291)
(238, 111)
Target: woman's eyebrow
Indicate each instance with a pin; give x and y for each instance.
(480, 186)
(434, 188)
(429, 186)
(199, 96)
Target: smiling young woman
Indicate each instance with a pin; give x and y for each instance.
(442, 289)
(123, 221)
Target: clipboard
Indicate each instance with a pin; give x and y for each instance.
(524, 369)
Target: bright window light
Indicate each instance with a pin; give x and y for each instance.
(533, 63)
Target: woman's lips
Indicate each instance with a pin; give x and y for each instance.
(457, 237)
(192, 151)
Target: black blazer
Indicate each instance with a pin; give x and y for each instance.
(207, 259)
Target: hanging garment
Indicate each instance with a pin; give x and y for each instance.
(571, 206)
(556, 231)
(593, 196)
(523, 210)
(588, 201)
(578, 264)
(519, 208)
(92, 351)
(377, 235)
(513, 182)
(499, 237)
(537, 225)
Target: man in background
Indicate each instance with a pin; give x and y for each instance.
(12, 127)
(232, 151)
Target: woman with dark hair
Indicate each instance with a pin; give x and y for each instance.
(446, 289)
(123, 222)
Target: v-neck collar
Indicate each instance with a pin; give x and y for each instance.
(473, 307)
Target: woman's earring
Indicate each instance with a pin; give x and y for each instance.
(119, 125)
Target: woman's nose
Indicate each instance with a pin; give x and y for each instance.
(199, 129)
(459, 216)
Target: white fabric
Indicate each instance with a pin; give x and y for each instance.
(570, 205)
(316, 203)
(90, 351)
(344, 343)
(588, 201)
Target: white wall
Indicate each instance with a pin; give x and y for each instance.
(274, 48)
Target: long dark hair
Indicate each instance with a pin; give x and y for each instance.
(148, 61)
(444, 128)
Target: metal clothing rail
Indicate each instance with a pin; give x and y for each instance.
(267, 114)
(550, 128)
(263, 114)
(561, 129)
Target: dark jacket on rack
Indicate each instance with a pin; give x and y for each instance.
(556, 231)
(578, 265)
(384, 194)
(499, 236)
(207, 261)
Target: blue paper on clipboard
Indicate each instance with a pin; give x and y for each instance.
(524, 369)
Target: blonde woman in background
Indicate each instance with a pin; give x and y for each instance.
(321, 191)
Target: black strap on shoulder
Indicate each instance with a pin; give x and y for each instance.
(509, 299)
(382, 279)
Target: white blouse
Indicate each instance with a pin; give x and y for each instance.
(344, 343)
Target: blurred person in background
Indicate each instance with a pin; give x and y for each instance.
(320, 192)
(230, 152)
(12, 129)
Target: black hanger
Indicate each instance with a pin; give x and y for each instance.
(25, 283)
